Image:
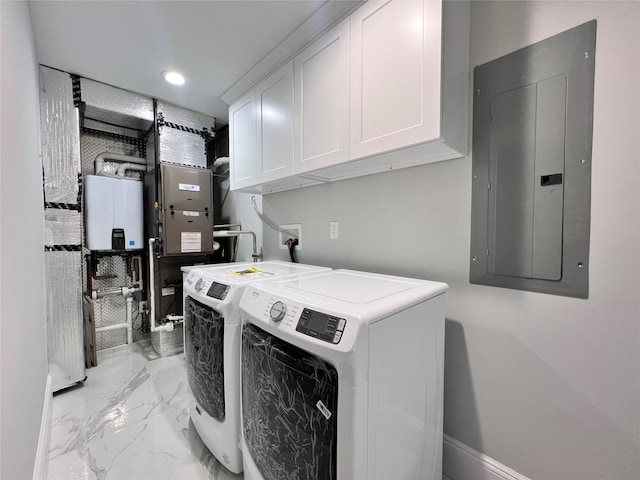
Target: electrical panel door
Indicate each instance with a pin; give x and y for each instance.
(532, 132)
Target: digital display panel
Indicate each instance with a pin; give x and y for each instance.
(218, 290)
(321, 326)
(318, 322)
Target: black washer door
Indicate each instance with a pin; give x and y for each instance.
(204, 335)
(289, 408)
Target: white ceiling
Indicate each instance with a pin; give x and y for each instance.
(129, 43)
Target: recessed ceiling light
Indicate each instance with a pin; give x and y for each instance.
(173, 77)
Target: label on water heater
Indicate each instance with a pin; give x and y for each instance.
(190, 242)
(188, 187)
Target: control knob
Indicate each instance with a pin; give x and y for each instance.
(278, 311)
(199, 284)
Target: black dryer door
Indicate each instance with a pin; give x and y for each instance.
(289, 408)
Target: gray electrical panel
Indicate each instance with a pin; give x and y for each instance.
(533, 116)
(187, 210)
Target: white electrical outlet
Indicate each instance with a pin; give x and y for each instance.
(296, 231)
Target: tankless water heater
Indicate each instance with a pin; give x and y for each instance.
(114, 214)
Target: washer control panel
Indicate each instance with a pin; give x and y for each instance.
(218, 290)
(278, 311)
(321, 326)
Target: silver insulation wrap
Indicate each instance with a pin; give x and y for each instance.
(186, 118)
(60, 142)
(64, 317)
(60, 137)
(116, 106)
(113, 129)
(181, 141)
(62, 227)
(183, 148)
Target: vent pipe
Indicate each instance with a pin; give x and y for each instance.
(116, 157)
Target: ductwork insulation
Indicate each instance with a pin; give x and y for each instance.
(60, 145)
(60, 137)
(182, 148)
(92, 126)
(64, 317)
(62, 227)
(116, 106)
(181, 135)
(186, 118)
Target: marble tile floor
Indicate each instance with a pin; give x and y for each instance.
(129, 421)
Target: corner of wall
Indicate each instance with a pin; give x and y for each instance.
(461, 462)
(42, 454)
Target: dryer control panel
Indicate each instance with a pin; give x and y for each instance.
(321, 326)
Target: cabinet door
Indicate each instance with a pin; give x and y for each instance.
(396, 49)
(243, 127)
(275, 128)
(322, 101)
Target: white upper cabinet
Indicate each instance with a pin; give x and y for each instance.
(396, 59)
(395, 88)
(243, 129)
(322, 101)
(275, 126)
(261, 132)
(386, 88)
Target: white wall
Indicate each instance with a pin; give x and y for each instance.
(547, 385)
(23, 357)
(238, 209)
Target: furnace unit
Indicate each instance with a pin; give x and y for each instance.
(187, 210)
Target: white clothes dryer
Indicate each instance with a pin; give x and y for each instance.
(212, 347)
(342, 377)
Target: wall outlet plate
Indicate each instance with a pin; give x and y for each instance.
(296, 231)
(334, 230)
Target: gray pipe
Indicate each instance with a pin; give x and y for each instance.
(115, 157)
(236, 233)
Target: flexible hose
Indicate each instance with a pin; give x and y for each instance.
(269, 222)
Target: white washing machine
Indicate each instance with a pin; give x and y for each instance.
(342, 377)
(212, 347)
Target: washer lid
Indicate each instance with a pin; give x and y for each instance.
(244, 273)
(371, 295)
(353, 287)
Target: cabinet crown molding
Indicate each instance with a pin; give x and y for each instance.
(324, 18)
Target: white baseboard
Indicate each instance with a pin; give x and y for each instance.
(461, 462)
(42, 454)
